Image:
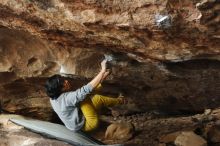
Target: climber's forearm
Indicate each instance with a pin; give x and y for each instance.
(104, 76)
(97, 79)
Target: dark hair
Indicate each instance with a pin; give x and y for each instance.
(54, 86)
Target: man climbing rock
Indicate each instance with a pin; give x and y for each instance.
(75, 108)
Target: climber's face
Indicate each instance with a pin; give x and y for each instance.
(66, 85)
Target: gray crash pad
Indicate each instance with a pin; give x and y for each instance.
(57, 131)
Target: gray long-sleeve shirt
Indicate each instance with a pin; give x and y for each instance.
(67, 107)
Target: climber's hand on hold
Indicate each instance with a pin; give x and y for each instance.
(103, 65)
(105, 74)
(122, 99)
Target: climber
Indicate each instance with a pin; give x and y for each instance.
(75, 108)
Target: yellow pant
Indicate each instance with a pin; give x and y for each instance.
(91, 107)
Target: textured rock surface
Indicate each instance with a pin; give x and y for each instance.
(167, 52)
(123, 26)
(170, 64)
(154, 128)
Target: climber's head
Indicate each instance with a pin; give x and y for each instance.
(56, 85)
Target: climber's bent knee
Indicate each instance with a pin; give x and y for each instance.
(91, 124)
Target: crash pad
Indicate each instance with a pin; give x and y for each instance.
(57, 131)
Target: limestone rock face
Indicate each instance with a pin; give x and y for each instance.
(24, 55)
(138, 28)
(167, 52)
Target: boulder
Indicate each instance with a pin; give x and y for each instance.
(119, 131)
(190, 139)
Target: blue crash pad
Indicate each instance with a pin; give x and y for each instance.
(57, 131)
